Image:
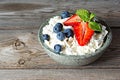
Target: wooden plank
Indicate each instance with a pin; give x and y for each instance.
(61, 74)
(20, 49)
(15, 14)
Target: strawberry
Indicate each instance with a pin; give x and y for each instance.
(74, 19)
(83, 33)
(88, 33)
(78, 31)
(81, 29)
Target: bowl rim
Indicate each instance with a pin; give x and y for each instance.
(102, 48)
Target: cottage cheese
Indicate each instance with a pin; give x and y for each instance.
(70, 45)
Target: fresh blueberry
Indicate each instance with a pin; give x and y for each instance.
(57, 28)
(68, 33)
(46, 37)
(65, 14)
(57, 48)
(61, 36)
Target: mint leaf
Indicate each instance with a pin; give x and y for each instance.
(84, 18)
(84, 14)
(95, 26)
(92, 15)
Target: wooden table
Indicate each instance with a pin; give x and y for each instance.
(23, 58)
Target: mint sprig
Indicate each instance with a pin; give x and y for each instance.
(84, 14)
(87, 16)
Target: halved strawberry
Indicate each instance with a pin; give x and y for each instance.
(87, 34)
(82, 33)
(78, 31)
(74, 19)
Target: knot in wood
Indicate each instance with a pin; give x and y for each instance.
(21, 62)
(18, 44)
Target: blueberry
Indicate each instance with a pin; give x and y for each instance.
(46, 37)
(61, 36)
(57, 28)
(57, 48)
(68, 33)
(65, 14)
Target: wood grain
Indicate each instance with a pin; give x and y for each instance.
(23, 58)
(15, 14)
(61, 74)
(21, 49)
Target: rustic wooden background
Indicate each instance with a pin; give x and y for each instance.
(21, 55)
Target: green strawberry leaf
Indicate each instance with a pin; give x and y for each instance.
(95, 26)
(84, 14)
(92, 15)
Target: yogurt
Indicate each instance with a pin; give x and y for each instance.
(70, 45)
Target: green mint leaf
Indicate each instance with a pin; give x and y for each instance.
(92, 15)
(84, 18)
(95, 26)
(84, 14)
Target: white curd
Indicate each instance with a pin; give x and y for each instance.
(69, 45)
